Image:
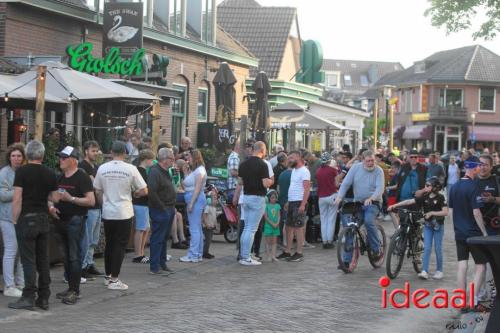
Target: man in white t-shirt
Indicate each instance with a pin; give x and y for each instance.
(298, 194)
(115, 182)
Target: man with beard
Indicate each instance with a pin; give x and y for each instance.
(367, 180)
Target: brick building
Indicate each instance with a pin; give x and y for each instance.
(45, 28)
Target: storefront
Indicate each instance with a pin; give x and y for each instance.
(448, 137)
(417, 137)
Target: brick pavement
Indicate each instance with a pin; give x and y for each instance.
(221, 295)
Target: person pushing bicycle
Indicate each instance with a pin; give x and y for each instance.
(367, 180)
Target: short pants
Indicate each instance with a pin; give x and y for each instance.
(294, 219)
(463, 250)
(270, 231)
(141, 217)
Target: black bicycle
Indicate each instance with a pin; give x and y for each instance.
(407, 237)
(353, 241)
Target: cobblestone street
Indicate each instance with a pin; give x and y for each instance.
(221, 295)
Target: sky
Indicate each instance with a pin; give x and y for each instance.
(377, 30)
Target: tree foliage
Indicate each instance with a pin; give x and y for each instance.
(457, 15)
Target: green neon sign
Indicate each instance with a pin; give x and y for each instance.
(81, 59)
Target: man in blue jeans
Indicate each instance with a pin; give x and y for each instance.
(93, 223)
(161, 203)
(367, 180)
(254, 174)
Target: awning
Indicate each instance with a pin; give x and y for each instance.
(302, 120)
(151, 89)
(418, 132)
(485, 133)
(398, 131)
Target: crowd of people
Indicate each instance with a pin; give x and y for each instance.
(278, 195)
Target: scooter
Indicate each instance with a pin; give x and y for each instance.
(227, 216)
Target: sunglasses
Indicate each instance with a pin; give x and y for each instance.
(413, 156)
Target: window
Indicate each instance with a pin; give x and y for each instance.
(347, 80)
(364, 80)
(408, 101)
(331, 80)
(174, 16)
(206, 22)
(450, 98)
(179, 106)
(487, 99)
(202, 105)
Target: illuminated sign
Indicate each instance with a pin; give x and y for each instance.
(81, 59)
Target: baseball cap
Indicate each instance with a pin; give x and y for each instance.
(472, 162)
(68, 151)
(326, 157)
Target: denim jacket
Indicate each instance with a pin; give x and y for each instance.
(7, 175)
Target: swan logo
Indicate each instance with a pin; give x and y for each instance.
(122, 27)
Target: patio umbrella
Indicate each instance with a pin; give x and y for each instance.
(224, 81)
(63, 82)
(260, 115)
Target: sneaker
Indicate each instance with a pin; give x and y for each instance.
(308, 246)
(169, 257)
(256, 257)
(106, 280)
(24, 303)
(160, 273)
(117, 285)
(87, 276)
(423, 275)
(92, 270)
(284, 256)
(71, 298)
(83, 280)
(296, 257)
(438, 275)
(145, 260)
(188, 259)
(42, 303)
(250, 262)
(12, 292)
(137, 260)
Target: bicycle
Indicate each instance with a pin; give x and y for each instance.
(408, 236)
(353, 241)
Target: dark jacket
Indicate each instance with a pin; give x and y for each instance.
(161, 191)
(403, 174)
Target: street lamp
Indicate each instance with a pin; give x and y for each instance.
(473, 134)
(389, 129)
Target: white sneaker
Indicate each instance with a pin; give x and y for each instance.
(423, 275)
(438, 275)
(250, 262)
(169, 257)
(12, 292)
(308, 246)
(83, 280)
(117, 285)
(188, 259)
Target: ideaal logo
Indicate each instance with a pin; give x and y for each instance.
(440, 298)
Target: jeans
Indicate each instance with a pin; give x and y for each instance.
(367, 217)
(93, 232)
(328, 216)
(254, 210)
(117, 233)
(161, 223)
(429, 234)
(10, 262)
(196, 243)
(32, 231)
(72, 232)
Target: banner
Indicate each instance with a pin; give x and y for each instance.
(122, 27)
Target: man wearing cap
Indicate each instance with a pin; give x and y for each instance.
(411, 178)
(465, 204)
(76, 196)
(115, 183)
(327, 189)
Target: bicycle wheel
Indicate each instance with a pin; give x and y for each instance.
(418, 251)
(396, 254)
(348, 249)
(377, 262)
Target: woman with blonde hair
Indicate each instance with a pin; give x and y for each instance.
(14, 282)
(194, 184)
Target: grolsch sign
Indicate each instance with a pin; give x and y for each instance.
(122, 27)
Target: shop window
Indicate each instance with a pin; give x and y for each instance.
(450, 98)
(202, 105)
(487, 99)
